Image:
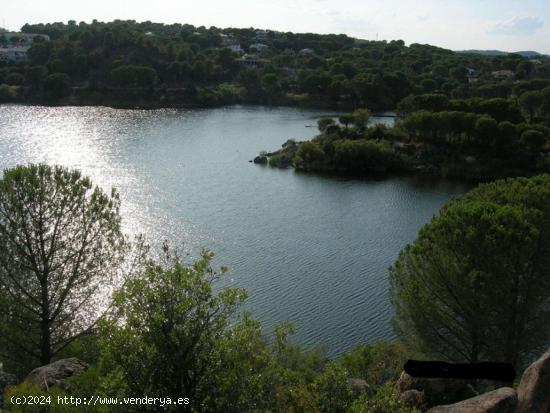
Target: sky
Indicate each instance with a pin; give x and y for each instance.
(455, 24)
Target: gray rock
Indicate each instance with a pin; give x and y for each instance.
(56, 373)
(6, 380)
(436, 390)
(503, 400)
(359, 386)
(534, 387)
(260, 160)
(413, 398)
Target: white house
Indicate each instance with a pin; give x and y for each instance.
(14, 54)
(261, 35)
(227, 40)
(252, 61)
(23, 38)
(503, 74)
(307, 51)
(258, 47)
(236, 48)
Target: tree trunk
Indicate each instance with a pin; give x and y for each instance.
(45, 339)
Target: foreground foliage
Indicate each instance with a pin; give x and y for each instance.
(474, 286)
(171, 335)
(61, 245)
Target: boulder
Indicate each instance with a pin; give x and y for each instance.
(359, 387)
(56, 373)
(436, 390)
(260, 160)
(534, 387)
(413, 398)
(503, 400)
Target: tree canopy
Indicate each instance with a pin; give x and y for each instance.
(474, 285)
(61, 243)
(191, 63)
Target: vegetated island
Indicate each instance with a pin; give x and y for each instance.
(473, 138)
(152, 65)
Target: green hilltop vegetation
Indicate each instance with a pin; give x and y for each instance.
(524, 53)
(125, 63)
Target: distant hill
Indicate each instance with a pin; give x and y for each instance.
(526, 53)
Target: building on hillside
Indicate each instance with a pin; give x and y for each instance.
(262, 35)
(22, 39)
(227, 40)
(14, 54)
(252, 61)
(503, 74)
(236, 48)
(472, 75)
(258, 47)
(307, 51)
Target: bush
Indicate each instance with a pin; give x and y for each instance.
(134, 76)
(384, 401)
(57, 85)
(366, 155)
(173, 326)
(7, 93)
(377, 363)
(310, 152)
(331, 393)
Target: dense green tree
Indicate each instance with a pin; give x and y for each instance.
(474, 285)
(487, 131)
(7, 93)
(57, 85)
(36, 75)
(331, 391)
(429, 102)
(377, 363)
(530, 102)
(173, 324)
(324, 123)
(271, 83)
(134, 76)
(346, 119)
(60, 243)
(533, 141)
(361, 118)
(310, 152)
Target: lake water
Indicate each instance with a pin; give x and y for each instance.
(313, 250)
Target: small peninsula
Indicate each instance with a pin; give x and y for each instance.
(473, 138)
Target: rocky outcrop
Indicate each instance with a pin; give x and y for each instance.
(436, 390)
(534, 387)
(532, 396)
(56, 373)
(503, 400)
(414, 398)
(359, 387)
(262, 160)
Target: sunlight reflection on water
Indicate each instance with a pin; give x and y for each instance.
(310, 249)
